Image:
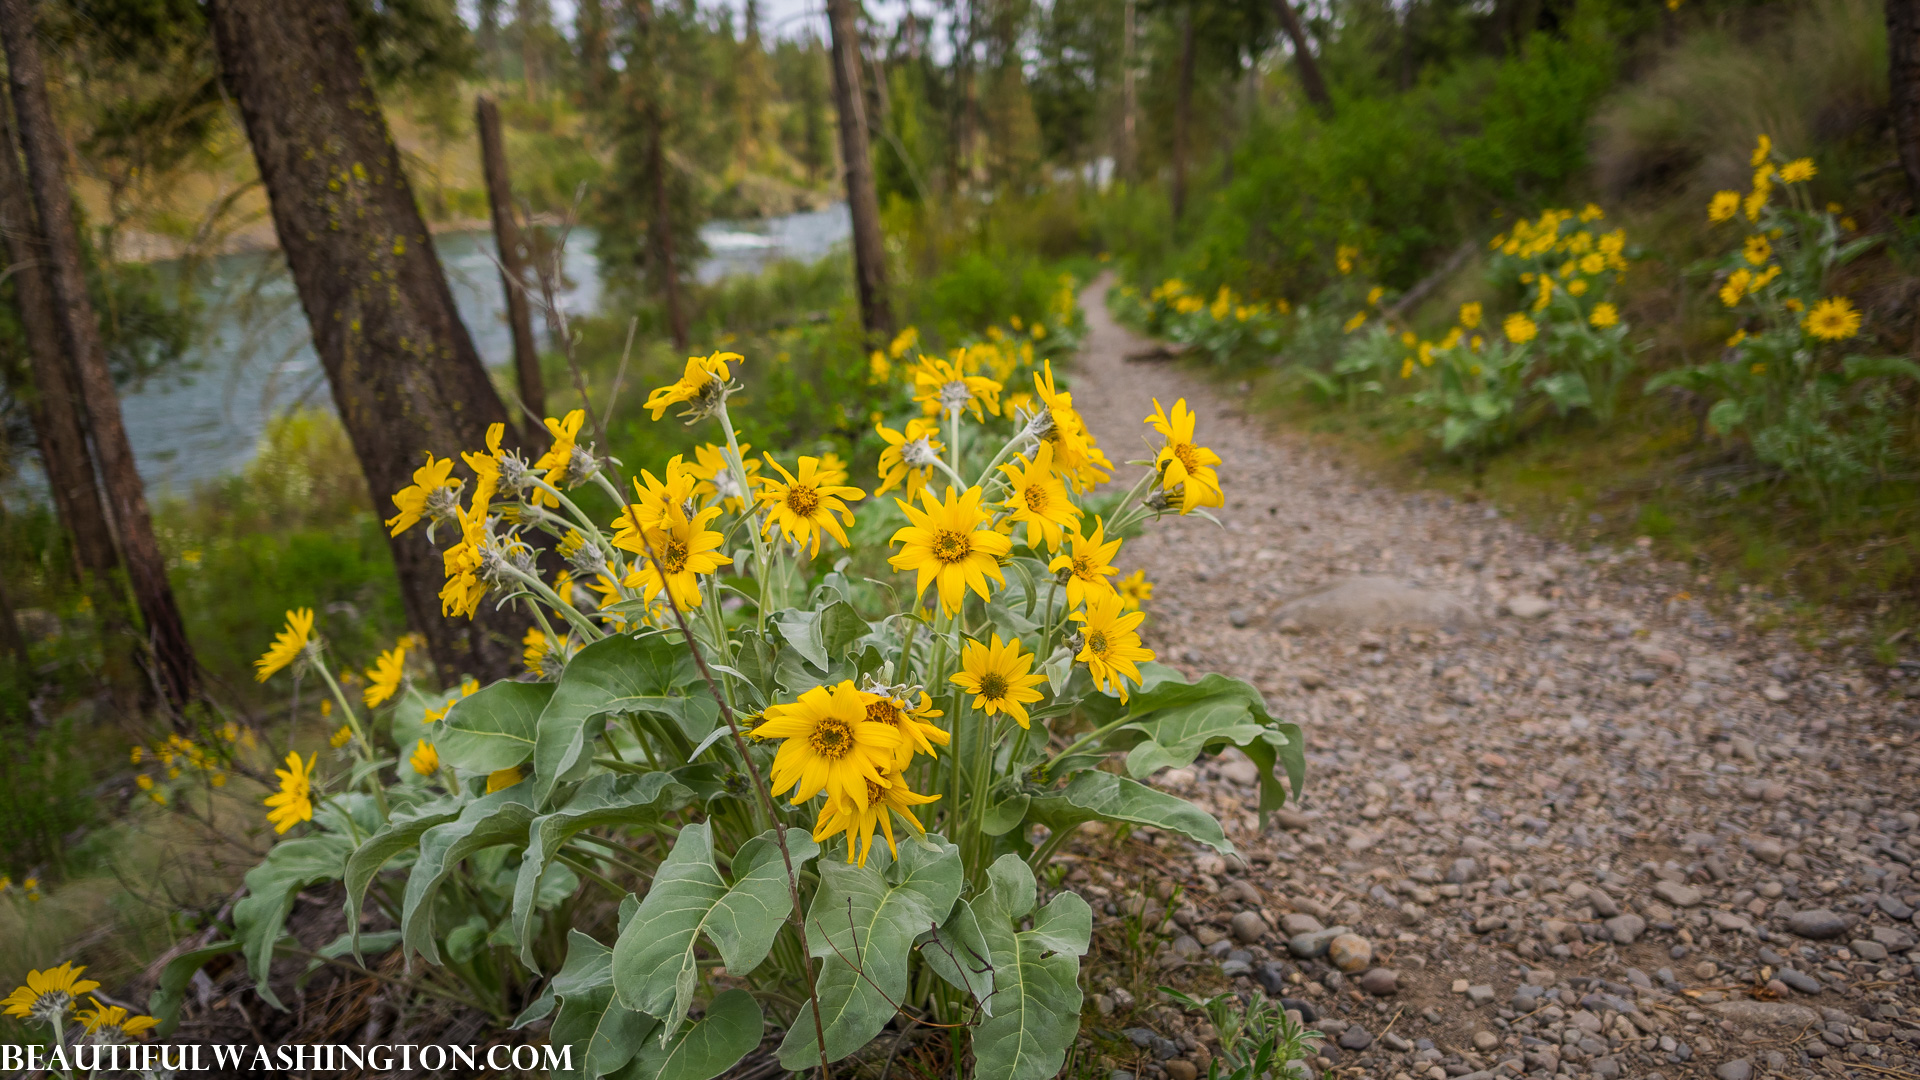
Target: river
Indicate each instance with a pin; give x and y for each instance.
(253, 360)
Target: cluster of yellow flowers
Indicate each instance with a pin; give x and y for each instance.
(1470, 315)
(293, 799)
(177, 753)
(1562, 250)
(48, 996)
(1226, 305)
(854, 745)
(1755, 278)
(846, 744)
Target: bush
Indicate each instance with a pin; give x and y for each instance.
(1403, 176)
(1824, 416)
(619, 776)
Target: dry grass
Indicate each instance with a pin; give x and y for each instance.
(1814, 75)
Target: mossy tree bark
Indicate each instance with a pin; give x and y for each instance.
(174, 669)
(49, 388)
(403, 370)
(863, 200)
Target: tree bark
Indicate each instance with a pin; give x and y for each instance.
(526, 20)
(660, 229)
(52, 396)
(869, 247)
(1310, 80)
(1129, 146)
(514, 254)
(1903, 57)
(45, 146)
(403, 370)
(1183, 117)
(12, 642)
(590, 29)
(660, 245)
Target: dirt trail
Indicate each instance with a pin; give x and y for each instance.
(1584, 826)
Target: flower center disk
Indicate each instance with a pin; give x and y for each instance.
(950, 547)
(802, 500)
(831, 739)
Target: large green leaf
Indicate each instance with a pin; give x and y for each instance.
(1094, 794)
(706, 1048)
(588, 964)
(492, 729)
(402, 833)
(821, 637)
(861, 927)
(654, 965)
(605, 799)
(957, 952)
(165, 1001)
(489, 821)
(261, 917)
(1180, 720)
(1036, 976)
(603, 1033)
(618, 674)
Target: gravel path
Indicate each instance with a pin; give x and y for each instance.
(1589, 828)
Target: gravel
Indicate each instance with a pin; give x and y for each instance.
(1519, 822)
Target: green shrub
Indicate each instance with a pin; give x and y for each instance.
(1403, 176)
(1825, 416)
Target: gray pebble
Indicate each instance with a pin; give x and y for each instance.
(1625, 929)
(1816, 923)
(1799, 980)
(1248, 926)
(1737, 1069)
(1356, 1038)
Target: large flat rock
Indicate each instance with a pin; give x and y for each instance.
(1376, 603)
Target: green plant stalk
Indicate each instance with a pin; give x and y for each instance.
(579, 516)
(747, 500)
(364, 747)
(567, 611)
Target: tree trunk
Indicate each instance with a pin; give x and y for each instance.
(660, 228)
(1903, 82)
(1183, 118)
(590, 28)
(403, 370)
(513, 262)
(487, 38)
(45, 147)
(660, 245)
(1310, 80)
(525, 21)
(12, 643)
(1129, 145)
(53, 399)
(869, 247)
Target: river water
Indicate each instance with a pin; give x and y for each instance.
(253, 361)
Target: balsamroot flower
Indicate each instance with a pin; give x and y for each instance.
(998, 676)
(829, 744)
(950, 545)
(287, 645)
(293, 803)
(1110, 645)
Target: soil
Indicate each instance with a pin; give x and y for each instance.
(1591, 825)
